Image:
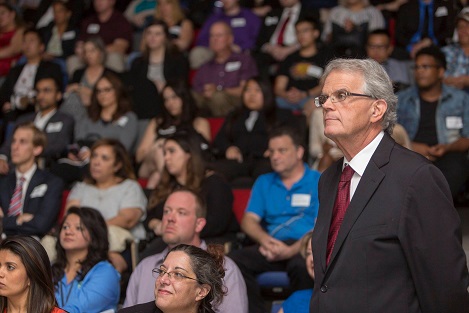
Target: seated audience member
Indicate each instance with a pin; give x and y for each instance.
(297, 80)
(298, 302)
(161, 62)
(183, 221)
(348, 25)
(219, 82)
(30, 198)
(184, 167)
(245, 26)
(57, 126)
(44, 13)
(60, 34)
(261, 7)
(388, 8)
(180, 113)
(283, 207)
(208, 271)
(241, 144)
(457, 55)
(139, 11)
(379, 48)
(84, 279)
(436, 117)
(180, 28)
(112, 27)
(26, 277)
(80, 88)
(111, 188)
(11, 38)
(277, 38)
(415, 30)
(17, 92)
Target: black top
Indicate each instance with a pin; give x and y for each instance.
(149, 307)
(426, 132)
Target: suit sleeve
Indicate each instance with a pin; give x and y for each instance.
(430, 235)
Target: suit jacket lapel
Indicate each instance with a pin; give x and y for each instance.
(369, 182)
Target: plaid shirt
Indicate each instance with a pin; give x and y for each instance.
(457, 61)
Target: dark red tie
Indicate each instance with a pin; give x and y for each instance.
(342, 201)
(281, 33)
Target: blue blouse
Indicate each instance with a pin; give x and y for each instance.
(97, 292)
(298, 302)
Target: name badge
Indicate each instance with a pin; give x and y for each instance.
(39, 191)
(71, 34)
(175, 30)
(301, 199)
(232, 66)
(454, 122)
(271, 20)
(238, 22)
(93, 29)
(122, 121)
(314, 71)
(441, 11)
(54, 127)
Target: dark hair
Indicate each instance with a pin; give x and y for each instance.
(66, 4)
(291, 132)
(189, 110)
(195, 169)
(57, 80)
(32, 30)
(39, 137)
(208, 267)
(41, 297)
(98, 43)
(93, 221)
(18, 20)
(435, 53)
(308, 19)
(122, 156)
(167, 44)
(380, 32)
(122, 98)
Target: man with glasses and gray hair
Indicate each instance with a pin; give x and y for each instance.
(387, 237)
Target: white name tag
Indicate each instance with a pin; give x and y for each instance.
(314, 71)
(232, 66)
(93, 29)
(122, 121)
(39, 191)
(301, 199)
(271, 20)
(175, 30)
(441, 11)
(54, 127)
(238, 22)
(69, 35)
(454, 122)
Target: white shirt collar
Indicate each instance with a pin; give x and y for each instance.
(28, 174)
(360, 161)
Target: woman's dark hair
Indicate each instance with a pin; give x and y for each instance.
(195, 169)
(126, 171)
(93, 221)
(189, 110)
(168, 44)
(18, 20)
(208, 267)
(41, 297)
(122, 98)
(268, 108)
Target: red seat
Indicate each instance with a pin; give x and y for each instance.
(241, 198)
(215, 124)
(62, 207)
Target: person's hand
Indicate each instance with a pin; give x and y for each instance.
(155, 225)
(269, 248)
(458, 82)
(437, 151)
(7, 107)
(281, 251)
(423, 149)
(235, 48)
(117, 261)
(73, 157)
(348, 25)
(4, 168)
(426, 42)
(279, 53)
(84, 153)
(24, 218)
(209, 90)
(139, 19)
(233, 153)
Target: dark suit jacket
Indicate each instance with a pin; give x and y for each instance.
(148, 307)
(44, 206)
(59, 132)
(399, 246)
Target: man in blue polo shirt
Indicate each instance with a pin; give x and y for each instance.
(282, 208)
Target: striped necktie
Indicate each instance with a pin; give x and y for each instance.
(16, 202)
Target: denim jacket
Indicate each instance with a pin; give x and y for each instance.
(452, 113)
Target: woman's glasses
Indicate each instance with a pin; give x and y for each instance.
(173, 276)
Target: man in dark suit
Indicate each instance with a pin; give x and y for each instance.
(57, 126)
(30, 198)
(395, 246)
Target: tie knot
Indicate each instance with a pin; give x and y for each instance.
(22, 179)
(347, 173)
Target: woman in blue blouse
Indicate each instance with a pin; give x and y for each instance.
(84, 279)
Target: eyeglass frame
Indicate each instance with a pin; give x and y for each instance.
(159, 272)
(318, 104)
(425, 67)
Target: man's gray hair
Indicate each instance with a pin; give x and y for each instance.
(376, 83)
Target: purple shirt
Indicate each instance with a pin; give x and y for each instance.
(245, 26)
(229, 74)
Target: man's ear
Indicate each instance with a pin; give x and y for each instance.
(200, 224)
(37, 150)
(379, 108)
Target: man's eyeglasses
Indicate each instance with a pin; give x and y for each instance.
(424, 67)
(337, 96)
(173, 276)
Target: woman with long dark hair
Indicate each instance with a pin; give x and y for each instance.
(84, 279)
